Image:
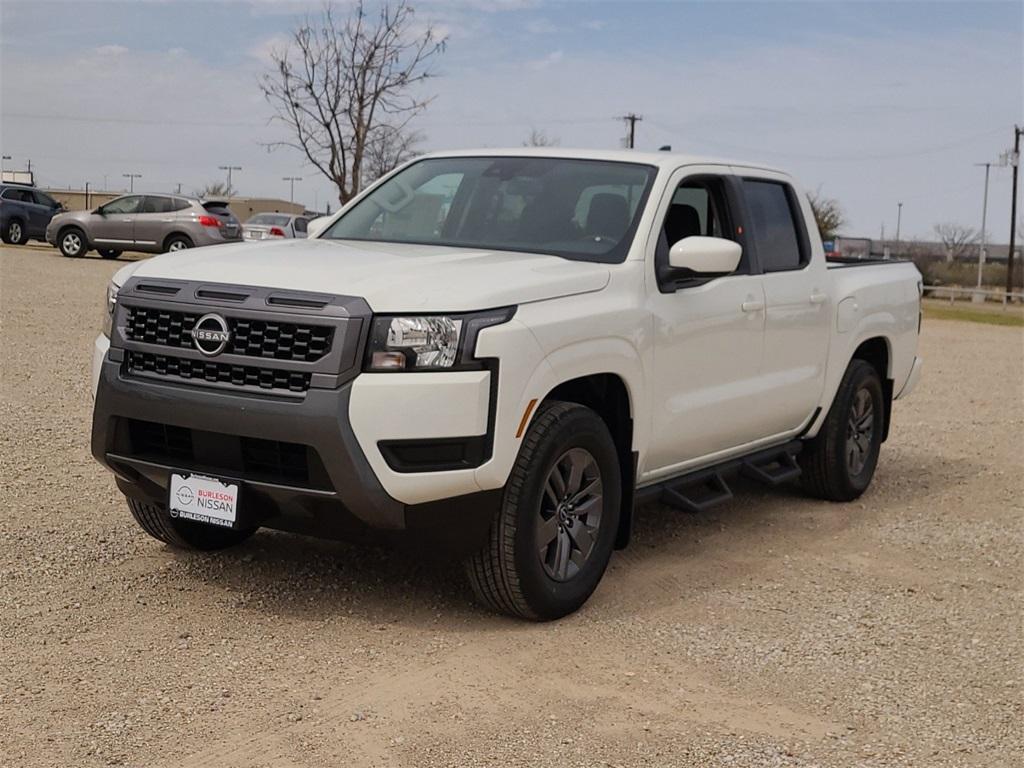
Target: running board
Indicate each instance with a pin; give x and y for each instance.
(698, 494)
(774, 470)
(698, 491)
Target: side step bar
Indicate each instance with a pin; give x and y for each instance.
(700, 490)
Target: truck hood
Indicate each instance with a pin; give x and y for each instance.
(392, 277)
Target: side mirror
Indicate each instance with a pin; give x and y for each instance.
(705, 256)
(99, 211)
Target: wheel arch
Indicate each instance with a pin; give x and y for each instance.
(607, 394)
(876, 352)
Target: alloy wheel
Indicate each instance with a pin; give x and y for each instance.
(570, 514)
(177, 245)
(72, 243)
(14, 232)
(860, 431)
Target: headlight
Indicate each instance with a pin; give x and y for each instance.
(107, 321)
(428, 342)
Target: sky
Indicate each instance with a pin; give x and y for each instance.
(871, 103)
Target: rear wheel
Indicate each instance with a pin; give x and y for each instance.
(839, 462)
(177, 243)
(108, 253)
(72, 242)
(185, 534)
(14, 233)
(552, 537)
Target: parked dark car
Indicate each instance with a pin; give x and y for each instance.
(25, 213)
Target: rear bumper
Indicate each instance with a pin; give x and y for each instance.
(340, 494)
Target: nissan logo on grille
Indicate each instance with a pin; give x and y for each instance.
(211, 335)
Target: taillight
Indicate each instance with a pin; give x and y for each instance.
(210, 221)
(276, 232)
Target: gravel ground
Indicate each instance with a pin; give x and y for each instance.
(774, 631)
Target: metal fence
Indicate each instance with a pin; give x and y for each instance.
(953, 292)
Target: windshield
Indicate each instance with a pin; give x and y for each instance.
(270, 219)
(577, 209)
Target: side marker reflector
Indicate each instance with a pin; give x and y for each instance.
(526, 418)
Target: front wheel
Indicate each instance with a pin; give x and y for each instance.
(552, 537)
(72, 243)
(184, 534)
(839, 462)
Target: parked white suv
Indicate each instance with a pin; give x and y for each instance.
(501, 353)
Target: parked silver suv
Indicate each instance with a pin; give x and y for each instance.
(147, 223)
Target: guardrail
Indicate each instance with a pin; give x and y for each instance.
(987, 294)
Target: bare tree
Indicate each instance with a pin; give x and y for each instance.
(346, 90)
(956, 239)
(828, 214)
(540, 138)
(386, 149)
(215, 189)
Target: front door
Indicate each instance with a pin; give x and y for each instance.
(708, 334)
(114, 228)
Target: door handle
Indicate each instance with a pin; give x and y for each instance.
(752, 306)
(819, 298)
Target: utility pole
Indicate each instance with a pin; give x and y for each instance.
(229, 169)
(1015, 160)
(899, 219)
(179, 188)
(632, 119)
(131, 180)
(984, 213)
(87, 195)
(291, 193)
(105, 187)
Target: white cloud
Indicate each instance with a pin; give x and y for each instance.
(553, 58)
(594, 25)
(110, 50)
(541, 27)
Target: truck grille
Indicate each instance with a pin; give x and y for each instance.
(216, 373)
(253, 338)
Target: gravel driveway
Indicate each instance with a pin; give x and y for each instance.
(773, 631)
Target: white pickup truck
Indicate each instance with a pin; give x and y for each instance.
(502, 353)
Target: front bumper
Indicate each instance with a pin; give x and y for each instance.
(341, 495)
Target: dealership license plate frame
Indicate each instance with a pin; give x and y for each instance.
(184, 494)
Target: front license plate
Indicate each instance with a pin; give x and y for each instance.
(203, 499)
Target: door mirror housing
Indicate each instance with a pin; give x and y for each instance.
(705, 256)
(99, 211)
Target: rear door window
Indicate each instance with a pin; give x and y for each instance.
(18, 195)
(774, 225)
(157, 204)
(300, 225)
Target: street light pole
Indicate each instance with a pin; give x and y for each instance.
(899, 219)
(131, 180)
(291, 193)
(229, 169)
(984, 214)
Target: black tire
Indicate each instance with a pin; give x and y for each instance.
(72, 242)
(108, 253)
(177, 243)
(14, 233)
(184, 534)
(830, 460)
(510, 574)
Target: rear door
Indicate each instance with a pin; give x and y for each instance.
(115, 228)
(154, 222)
(708, 334)
(798, 311)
